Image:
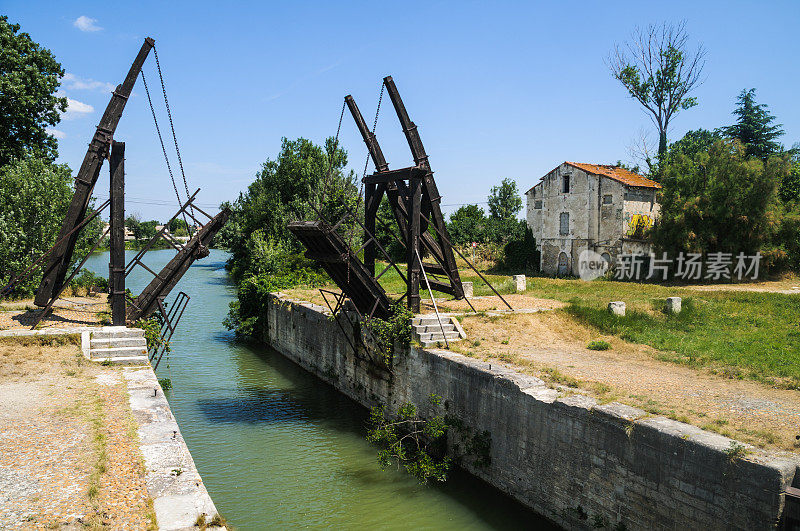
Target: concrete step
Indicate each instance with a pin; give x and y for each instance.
(124, 360)
(117, 352)
(447, 325)
(117, 332)
(118, 342)
(437, 336)
(428, 320)
(437, 342)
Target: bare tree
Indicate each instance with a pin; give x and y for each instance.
(658, 71)
(642, 150)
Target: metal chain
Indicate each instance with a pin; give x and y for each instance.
(366, 164)
(374, 126)
(174, 137)
(161, 139)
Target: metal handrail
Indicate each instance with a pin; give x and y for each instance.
(435, 308)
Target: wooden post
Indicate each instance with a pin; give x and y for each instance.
(116, 265)
(414, 264)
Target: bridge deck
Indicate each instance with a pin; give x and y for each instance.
(334, 255)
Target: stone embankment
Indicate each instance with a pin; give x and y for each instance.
(580, 463)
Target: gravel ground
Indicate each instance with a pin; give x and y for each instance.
(59, 413)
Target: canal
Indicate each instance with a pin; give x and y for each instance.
(279, 449)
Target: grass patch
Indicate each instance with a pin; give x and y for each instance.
(42, 340)
(598, 345)
(738, 334)
(735, 452)
(557, 377)
(100, 438)
(395, 287)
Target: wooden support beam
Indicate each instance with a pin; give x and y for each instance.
(56, 270)
(327, 257)
(116, 265)
(390, 176)
(412, 250)
(431, 192)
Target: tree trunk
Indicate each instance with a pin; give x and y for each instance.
(662, 143)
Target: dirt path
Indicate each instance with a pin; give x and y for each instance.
(552, 346)
(69, 312)
(69, 455)
(789, 287)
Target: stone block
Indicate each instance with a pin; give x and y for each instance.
(519, 282)
(617, 308)
(467, 289)
(673, 305)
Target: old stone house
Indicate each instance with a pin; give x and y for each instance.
(589, 206)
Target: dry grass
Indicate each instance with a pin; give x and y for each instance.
(551, 346)
(66, 429)
(77, 310)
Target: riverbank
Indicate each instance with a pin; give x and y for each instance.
(89, 444)
(568, 457)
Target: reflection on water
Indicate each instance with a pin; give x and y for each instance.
(278, 448)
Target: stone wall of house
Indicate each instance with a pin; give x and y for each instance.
(601, 210)
(581, 464)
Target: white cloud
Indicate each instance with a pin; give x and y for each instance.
(85, 23)
(56, 133)
(76, 109)
(73, 82)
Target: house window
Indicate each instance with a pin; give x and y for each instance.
(537, 204)
(607, 199)
(564, 228)
(565, 184)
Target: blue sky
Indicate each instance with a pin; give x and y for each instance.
(498, 89)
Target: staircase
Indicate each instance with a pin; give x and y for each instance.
(117, 345)
(428, 332)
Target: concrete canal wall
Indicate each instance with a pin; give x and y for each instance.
(581, 464)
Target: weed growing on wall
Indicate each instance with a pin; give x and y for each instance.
(387, 333)
(152, 333)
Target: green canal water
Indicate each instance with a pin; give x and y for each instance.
(279, 449)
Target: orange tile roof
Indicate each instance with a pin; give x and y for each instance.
(613, 172)
(618, 174)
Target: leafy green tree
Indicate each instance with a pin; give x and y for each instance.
(789, 190)
(754, 127)
(718, 200)
(229, 232)
(694, 142)
(147, 229)
(520, 254)
(29, 79)
(504, 204)
(504, 200)
(34, 197)
(467, 224)
(178, 227)
(659, 72)
(134, 224)
(387, 233)
(304, 176)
